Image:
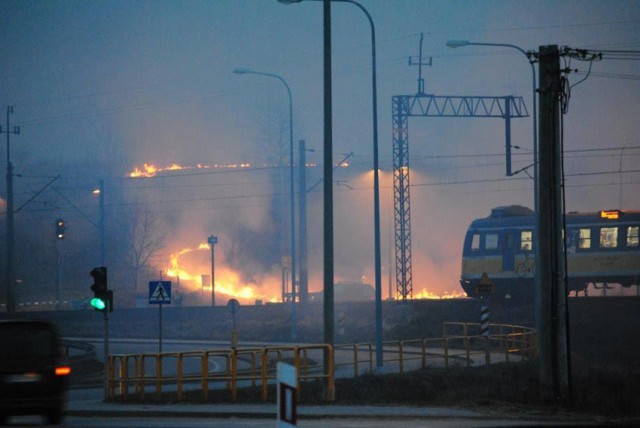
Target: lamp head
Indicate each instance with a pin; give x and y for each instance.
(289, 1)
(458, 43)
(242, 71)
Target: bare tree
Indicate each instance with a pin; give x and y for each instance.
(146, 233)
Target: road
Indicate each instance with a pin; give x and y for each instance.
(83, 402)
(234, 422)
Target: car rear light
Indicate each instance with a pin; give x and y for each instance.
(63, 371)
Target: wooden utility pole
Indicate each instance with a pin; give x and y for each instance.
(551, 294)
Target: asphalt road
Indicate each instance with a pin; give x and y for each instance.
(235, 422)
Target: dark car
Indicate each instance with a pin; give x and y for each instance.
(33, 379)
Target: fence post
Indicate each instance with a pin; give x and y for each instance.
(143, 370)
(253, 368)
(179, 377)
(264, 373)
(109, 367)
(331, 393)
(446, 353)
(204, 372)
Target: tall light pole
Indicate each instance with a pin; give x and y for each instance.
(376, 183)
(291, 193)
(529, 55)
(100, 192)
(536, 197)
(10, 273)
(212, 241)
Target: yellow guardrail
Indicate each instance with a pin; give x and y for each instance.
(462, 342)
(251, 366)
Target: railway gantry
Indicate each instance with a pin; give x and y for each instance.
(426, 105)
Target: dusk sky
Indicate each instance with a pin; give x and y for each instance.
(102, 87)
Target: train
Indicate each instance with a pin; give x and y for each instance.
(498, 258)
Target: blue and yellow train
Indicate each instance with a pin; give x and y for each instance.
(498, 257)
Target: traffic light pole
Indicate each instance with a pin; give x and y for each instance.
(103, 302)
(106, 352)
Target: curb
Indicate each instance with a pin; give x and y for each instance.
(92, 409)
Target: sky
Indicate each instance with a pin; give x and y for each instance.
(100, 88)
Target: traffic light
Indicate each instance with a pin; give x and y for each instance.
(60, 228)
(102, 297)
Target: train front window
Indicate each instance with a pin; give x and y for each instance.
(584, 239)
(608, 237)
(632, 236)
(491, 241)
(475, 242)
(526, 240)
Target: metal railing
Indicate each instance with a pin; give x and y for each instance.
(462, 344)
(232, 368)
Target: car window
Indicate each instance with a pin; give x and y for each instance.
(24, 341)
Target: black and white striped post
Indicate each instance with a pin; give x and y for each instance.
(485, 287)
(484, 320)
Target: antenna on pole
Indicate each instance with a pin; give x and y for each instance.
(420, 63)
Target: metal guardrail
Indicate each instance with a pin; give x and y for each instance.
(78, 352)
(250, 366)
(461, 342)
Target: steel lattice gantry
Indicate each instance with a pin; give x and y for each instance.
(424, 105)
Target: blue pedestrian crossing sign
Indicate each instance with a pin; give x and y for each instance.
(159, 292)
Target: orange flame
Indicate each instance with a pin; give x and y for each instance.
(426, 294)
(150, 170)
(227, 282)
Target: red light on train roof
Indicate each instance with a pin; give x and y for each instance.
(610, 214)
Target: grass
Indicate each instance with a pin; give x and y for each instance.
(515, 386)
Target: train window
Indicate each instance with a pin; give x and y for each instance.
(585, 239)
(632, 236)
(526, 240)
(608, 237)
(475, 242)
(491, 241)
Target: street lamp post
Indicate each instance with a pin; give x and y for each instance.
(376, 183)
(212, 241)
(529, 55)
(540, 308)
(100, 192)
(10, 268)
(291, 193)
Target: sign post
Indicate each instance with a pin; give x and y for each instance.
(233, 306)
(287, 396)
(485, 287)
(159, 294)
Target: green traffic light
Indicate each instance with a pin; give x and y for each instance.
(98, 303)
